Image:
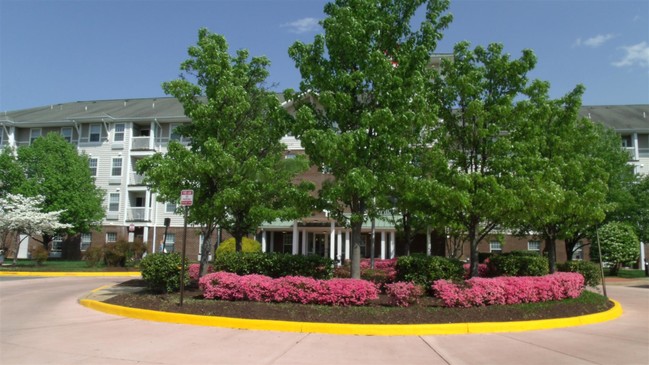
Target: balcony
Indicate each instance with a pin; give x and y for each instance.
(138, 214)
(141, 143)
(136, 179)
(643, 152)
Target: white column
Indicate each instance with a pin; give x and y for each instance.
(642, 256)
(636, 149)
(332, 241)
(339, 247)
(429, 249)
(272, 242)
(347, 244)
(393, 251)
(296, 248)
(263, 241)
(305, 244)
(382, 245)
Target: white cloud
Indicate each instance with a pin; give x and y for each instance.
(595, 41)
(635, 55)
(303, 25)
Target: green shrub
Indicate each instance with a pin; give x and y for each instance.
(424, 270)
(93, 255)
(519, 263)
(123, 253)
(589, 270)
(274, 264)
(247, 245)
(39, 254)
(161, 272)
(620, 246)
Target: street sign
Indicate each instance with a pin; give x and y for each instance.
(187, 198)
(131, 228)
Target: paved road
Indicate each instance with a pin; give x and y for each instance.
(42, 323)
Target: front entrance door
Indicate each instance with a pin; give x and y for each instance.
(317, 244)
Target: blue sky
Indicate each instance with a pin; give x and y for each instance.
(56, 51)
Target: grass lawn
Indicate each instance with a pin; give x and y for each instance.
(57, 265)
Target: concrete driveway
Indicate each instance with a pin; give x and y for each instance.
(41, 322)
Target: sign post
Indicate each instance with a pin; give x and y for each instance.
(186, 200)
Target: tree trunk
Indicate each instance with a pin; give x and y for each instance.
(238, 237)
(356, 250)
(474, 257)
(407, 232)
(551, 248)
(372, 242)
(206, 249)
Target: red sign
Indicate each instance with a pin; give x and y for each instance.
(131, 228)
(187, 198)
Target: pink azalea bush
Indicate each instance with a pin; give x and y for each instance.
(509, 289)
(297, 289)
(193, 270)
(384, 270)
(483, 270)
(403, 294)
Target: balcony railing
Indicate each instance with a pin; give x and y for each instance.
(141, 143)
(136, 179)
(139, 214)
(643, 152)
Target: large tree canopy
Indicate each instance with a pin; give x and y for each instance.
(55, 170)
(363, 98)
(485, 137)
(235, 161)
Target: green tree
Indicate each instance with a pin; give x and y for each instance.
(632, 204)
(363, 95)
(235, 161)
(12, 174)
(485, 137)
(620, 245)
(568, 183)
(54, 170)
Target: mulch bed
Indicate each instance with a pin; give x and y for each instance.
(427, 311)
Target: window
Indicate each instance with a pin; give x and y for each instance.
(117, 167)
(113, 202)
(118, 130)
(287, 243)
(534, 246)
(173, 136)
(86, 240)
(290, 156)
(111, 237)
(578, 254)
(57, 244)
(495, 247)
(33, 134)
(95, 133)
(66, 133)
(170, 242)
(92, 164)
(170, 207)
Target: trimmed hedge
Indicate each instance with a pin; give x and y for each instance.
(274, 264)
(589, 270)
(424, 270)
(229, 245)
(161, 272)
(296, 289)
(477, 292)
(518, 263)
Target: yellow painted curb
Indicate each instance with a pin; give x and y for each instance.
(78, 274)
(353, 329)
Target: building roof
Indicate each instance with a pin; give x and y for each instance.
(619, 117)
(97, 110)
(632, 118)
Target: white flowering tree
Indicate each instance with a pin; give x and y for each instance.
(23, 216)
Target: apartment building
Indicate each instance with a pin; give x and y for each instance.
(116, 134)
